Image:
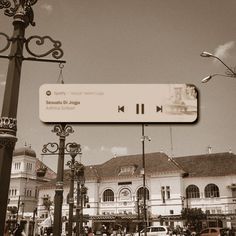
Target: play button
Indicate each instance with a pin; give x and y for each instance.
(158, 109)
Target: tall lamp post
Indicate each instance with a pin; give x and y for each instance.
(23, 15)
(80, 194)
(74, 150)
(229, 73)
(143, 138)
(62, 131)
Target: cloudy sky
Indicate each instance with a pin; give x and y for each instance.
(133, 41)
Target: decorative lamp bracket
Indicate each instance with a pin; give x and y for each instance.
(20, 10)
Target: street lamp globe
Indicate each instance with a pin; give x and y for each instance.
(74, 149)
(206, 79)
(206, 54)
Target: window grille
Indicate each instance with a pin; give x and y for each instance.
(192, 191)
(108, 196)
(211, 190)
(140, 193)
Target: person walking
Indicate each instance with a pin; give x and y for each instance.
(90, 232)
(19, 231)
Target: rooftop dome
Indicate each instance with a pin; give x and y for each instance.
(27, 151)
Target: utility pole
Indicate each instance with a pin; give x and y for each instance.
(144, 182)
(79, 203)
(144, 179)
(22, 13)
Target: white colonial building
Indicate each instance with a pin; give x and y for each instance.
(115, 190)
(211, 185)
(26, 178)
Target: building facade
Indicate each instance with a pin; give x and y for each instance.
(115, 190)
(26, 178)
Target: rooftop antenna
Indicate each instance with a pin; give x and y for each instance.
(209, 148)
(171, 143)
(171, 154)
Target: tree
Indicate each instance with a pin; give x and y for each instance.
(193, 217)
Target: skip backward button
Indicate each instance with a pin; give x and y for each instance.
(121, 108)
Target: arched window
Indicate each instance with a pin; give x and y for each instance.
(212, 190)
(108, 196)
(140, 193)
(192, 191)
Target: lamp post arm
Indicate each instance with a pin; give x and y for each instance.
(224, 64)
(229, 76)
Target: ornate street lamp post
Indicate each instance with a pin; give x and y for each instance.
(62, 131)
(74, 149)
(83, 201)
(22, 13)
(79, 203)
(229, 73)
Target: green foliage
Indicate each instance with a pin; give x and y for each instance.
(193, 217)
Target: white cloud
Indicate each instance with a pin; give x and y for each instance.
(119, 151)
(104, 149)
(47, 7)
(222, 51)
(116, 151)
(86, 148)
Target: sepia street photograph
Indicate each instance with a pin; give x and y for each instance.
(118, 117)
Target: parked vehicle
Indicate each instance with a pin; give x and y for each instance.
(154, 231)
(212, 232)
(100, 233)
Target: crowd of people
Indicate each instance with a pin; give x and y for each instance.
(18, 230)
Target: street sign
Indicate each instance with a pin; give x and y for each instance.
(118, 103)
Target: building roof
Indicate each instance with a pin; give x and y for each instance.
(26, 151)
(154, 163)
(206, 165)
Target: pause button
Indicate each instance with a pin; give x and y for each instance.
(140, 108)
